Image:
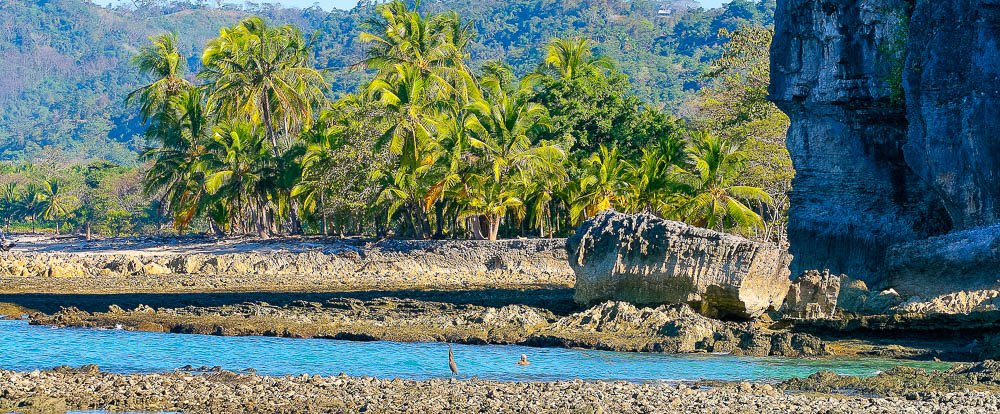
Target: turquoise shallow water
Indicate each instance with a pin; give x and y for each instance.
(24, 348)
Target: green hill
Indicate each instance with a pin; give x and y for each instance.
(66, 62)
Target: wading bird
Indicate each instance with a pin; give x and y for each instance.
(451, 361)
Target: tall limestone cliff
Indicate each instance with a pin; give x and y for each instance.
(895, 136)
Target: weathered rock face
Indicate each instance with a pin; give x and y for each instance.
(813, 295)
(391, 264)
(833, 65)
(649, 261)
(893, 106)
(952, 83)
(960, 261)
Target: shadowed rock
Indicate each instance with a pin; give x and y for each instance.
(649, 261)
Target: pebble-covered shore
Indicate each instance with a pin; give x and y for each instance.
(223, 392)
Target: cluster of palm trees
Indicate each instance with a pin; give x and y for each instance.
(439, 149)
(46, 200)
(227, 149)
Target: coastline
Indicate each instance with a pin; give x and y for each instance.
(514, 292)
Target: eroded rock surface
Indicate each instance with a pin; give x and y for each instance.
(813, 295)
(391, 264)
(615, 326)
(836, 71)
(649, 261)
(962, 261)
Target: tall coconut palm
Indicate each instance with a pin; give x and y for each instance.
(501, 126)
(407, 97)
(240, 174)
(56, 203)
(400, 35)
(10, 200)
(500, 139)
(573, 57)
(603, 185)
(713, 201)
(183, 132)
(260, 73)
(163, 61)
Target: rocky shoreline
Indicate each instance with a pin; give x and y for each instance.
(614, 326)
(87, 388)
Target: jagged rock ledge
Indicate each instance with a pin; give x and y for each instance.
(288, 266)
(613, 326)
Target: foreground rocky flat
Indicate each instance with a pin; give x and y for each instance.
(969, 389)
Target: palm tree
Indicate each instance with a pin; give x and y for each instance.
(31, 204)
(240, 174)
(262, 74)
(56, 204)
(182, 130)
(712, 200)
(162, 60)
(573, 57)
(603, 185)
(399, 35)
(10, 200)
(406, 97)
(499, 137)
(493, 200)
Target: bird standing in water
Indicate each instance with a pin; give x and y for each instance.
(451, 361)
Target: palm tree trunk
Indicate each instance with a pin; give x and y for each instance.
(322, 207)
(439, 220)
(494, 227)
(267, 126)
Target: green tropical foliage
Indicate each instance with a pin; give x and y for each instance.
(429, 143)
(71, 60)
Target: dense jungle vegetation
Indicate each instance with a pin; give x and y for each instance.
(395, 120)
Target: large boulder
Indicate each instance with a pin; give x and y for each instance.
(813, 295)
(649, 261)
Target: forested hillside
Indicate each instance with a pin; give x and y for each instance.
(67, 70)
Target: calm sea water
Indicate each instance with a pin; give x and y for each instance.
(24, 348)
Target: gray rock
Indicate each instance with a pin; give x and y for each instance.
(961, 261)
(952, 84)
(853, 295)
(813, 295)
(833, 67)
(649, 261)
(893, 132)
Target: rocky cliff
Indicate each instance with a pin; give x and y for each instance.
(646, 260)
(894, 136)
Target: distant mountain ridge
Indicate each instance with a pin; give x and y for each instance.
(66, 62)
